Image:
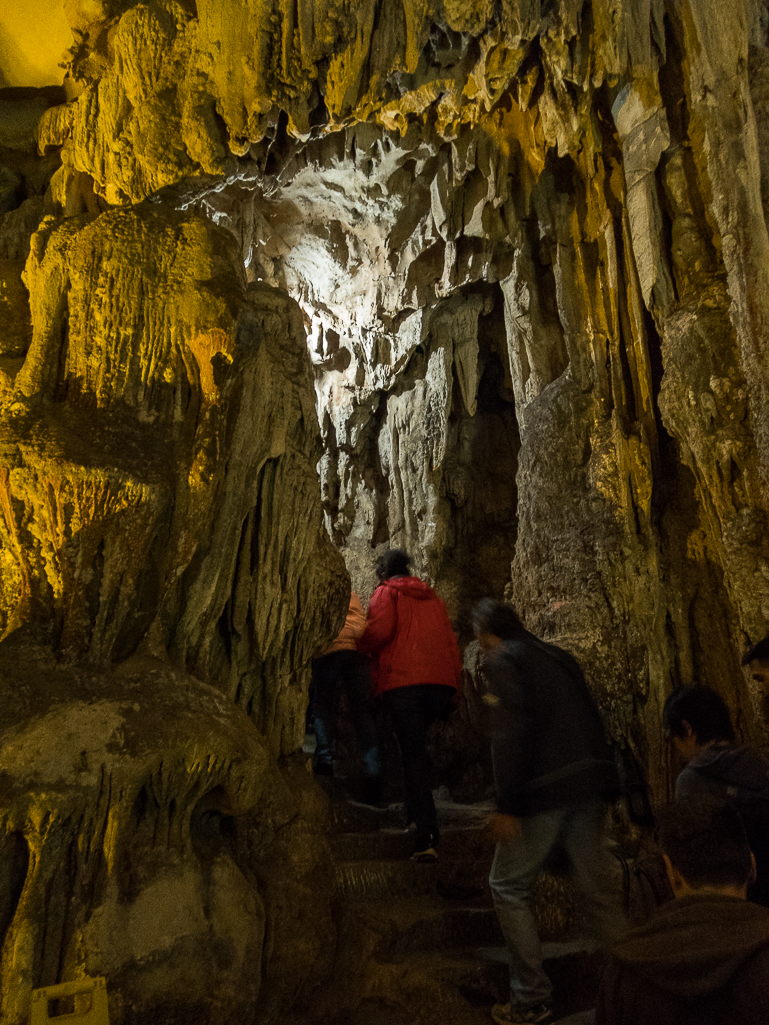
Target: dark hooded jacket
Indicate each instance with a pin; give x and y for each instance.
(700, 960)
(409, 637)
(548, 744)
(741, 776)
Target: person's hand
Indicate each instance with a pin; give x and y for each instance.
(503, 828)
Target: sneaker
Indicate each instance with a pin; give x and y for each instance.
(428, 853)
(504, 1014)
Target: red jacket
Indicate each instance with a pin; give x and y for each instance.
(409, 636)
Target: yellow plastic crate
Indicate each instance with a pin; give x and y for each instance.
(83, 1002)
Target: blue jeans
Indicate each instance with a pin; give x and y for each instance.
(412, 711)
(349, 670)
(579, 828)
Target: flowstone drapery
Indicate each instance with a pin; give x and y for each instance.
(161, 526)
(511, 258)
(571, 211)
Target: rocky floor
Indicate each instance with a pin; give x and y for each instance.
(419, 944)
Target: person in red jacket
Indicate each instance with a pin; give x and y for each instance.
(416, 670)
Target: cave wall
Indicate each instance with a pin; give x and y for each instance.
(166, 578)
(603, 177)
(497, 270)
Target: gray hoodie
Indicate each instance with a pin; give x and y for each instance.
(700, 960)
(741, 776)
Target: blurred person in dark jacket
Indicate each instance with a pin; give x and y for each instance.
(416, 670)
(554, 772)
(703, 958)
(698, 724)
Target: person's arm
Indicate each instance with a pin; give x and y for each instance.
(381, 621)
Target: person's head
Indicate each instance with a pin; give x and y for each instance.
(494, 622)
(394, 563)
(705, 847)
(757, 660)
(695, 717)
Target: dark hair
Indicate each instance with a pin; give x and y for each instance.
(703, 708)
(758, 653)
(497, 618)
(394, 563)
(705, 840)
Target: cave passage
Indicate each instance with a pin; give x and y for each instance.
(283, 286)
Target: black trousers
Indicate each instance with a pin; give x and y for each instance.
(348, 670)
(412, 711)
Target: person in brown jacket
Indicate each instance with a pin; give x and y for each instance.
(703, 958)
(342, 665)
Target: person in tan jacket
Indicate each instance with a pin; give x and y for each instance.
(343, 666)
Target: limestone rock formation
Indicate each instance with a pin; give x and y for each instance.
(121, 857)
(585, 204)
(161, 443)
(159, 493)
(512, 259)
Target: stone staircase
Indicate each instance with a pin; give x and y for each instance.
(420, 943)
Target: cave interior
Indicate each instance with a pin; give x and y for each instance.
(284, 286)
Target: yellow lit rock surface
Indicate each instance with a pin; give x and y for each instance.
(157, 483)
(34, 38)
(158, 400)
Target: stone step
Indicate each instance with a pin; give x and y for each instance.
(445, 886)
(574, 969)
(434, 988)
(376, 880)
(458, 986)
(368, 879)
(422, 924)
(467, 843)
(403, 927)
(554, 903)
(351, 816)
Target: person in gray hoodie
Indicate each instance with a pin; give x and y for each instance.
(703, 958)
(698, 724)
